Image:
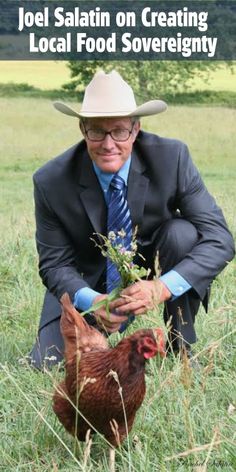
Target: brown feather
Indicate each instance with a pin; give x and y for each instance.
(77, 334)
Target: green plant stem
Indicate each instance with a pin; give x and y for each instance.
(105, 302)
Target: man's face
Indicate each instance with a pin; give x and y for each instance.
(108, 154)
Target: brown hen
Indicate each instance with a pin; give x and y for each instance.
(98, 378)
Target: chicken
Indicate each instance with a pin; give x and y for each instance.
(79, 338)
(105, 384)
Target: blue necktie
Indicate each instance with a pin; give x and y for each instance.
(118, 219)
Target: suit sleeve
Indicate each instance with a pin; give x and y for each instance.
(215, 246)
(57, 264)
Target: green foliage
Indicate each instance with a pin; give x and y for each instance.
(12, 89)
(204, 97)
(149, 79)
(50, 75)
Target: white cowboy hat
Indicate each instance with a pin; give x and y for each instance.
(108, 95)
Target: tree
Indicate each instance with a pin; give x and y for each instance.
(149, 79)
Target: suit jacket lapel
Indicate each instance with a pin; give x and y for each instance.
(137, 189)
(92, 196)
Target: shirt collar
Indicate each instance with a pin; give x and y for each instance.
(105, 178)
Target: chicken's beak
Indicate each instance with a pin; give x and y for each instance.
(160, 340)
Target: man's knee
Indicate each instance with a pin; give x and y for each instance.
(49, 346)
(175, 239)
(180, 235)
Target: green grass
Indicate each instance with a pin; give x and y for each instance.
(53, 74)
(42, 74)
(185, 420)
(44, 79)
(197, 98)
(220, 79)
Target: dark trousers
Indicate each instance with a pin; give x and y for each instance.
(173, 240)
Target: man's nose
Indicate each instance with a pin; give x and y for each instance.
(108, 141)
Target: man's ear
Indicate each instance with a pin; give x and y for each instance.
(81, 126)
(136, 129)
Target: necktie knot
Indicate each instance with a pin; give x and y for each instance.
(117, 183)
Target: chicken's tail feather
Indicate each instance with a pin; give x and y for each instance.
(77, 334)
(69, 313)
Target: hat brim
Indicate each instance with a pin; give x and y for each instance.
(153, 107)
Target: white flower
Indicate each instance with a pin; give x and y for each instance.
(111, 236)
(134, 246)
(22, 360)
(50, 358)
(122, 233)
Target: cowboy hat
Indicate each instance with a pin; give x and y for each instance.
(108, 95)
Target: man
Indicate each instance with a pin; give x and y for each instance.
(163, 196)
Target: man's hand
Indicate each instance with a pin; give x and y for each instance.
(105, 319)
(140, 297)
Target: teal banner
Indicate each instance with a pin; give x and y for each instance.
(83, 30)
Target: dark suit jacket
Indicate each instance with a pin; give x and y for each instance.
(70, 208)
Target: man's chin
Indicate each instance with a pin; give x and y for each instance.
(110, 167)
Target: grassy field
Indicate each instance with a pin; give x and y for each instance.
(52, 75)
(187, 422)
(42, 74)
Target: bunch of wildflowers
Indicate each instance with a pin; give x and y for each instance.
(113, 247)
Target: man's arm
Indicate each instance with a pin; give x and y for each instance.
(215, 245)
(57, 266)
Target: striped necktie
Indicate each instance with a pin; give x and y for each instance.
(118, 219)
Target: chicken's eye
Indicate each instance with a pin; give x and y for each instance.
(147, 347)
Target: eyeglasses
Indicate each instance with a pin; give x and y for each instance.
(117, 134)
